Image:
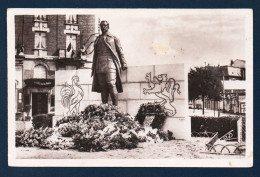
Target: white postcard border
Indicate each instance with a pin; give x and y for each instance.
(229, 162)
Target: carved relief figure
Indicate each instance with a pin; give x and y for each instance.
(72, 95)
(163, 88)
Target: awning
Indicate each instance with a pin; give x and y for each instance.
(39, 82)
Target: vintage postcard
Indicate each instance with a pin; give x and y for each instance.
(130, 87)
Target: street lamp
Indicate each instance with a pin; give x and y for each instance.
(223, 93)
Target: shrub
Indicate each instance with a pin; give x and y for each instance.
(222, 125)
(18, 137)
(166, 136)
(32, 137)
(19, 116)
(42, 120)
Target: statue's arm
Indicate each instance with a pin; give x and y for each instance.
(120, 53)
(94, 57)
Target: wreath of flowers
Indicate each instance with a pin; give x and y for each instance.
(152, 109)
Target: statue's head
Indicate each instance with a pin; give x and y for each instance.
(104, 25)
(162, 77)
(75, 79)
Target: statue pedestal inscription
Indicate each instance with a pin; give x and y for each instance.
(148, 120)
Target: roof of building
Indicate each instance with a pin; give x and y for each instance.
(239, 63)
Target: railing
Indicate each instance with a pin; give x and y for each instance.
(231, 149)
(202, 134)
(219, 148)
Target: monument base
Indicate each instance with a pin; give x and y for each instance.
(23, 125)
(55, 119)
(178, 126)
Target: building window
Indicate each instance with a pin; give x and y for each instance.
(71, 19)
(19, 101)
(40, 40)
(40, 24)
(71, 31)
(40, 28)
(52, 100)
(40, 18)
(71, 41)
(40, 44)
(40, 72)
(19, 97)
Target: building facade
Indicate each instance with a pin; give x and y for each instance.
(45, 44)
(234, 89)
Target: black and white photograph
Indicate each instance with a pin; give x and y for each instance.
(130, 87)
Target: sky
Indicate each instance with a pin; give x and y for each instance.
(193, 37)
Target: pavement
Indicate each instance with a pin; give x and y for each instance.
(174, 149)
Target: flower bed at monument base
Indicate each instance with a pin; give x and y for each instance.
(97, 128)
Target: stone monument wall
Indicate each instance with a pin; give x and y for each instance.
(141, 84)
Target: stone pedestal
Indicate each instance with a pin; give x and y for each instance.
(23, 125)
(180, 127)
(140, 83)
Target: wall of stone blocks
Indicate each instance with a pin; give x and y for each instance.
(23, 125)
(134, 83)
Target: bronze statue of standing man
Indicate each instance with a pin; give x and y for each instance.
(108, 61)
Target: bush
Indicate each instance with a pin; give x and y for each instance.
(42, 120)
(222, 125)
(166, 136)
(18, 137)
(32, 137)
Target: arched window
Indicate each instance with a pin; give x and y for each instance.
(40, 72)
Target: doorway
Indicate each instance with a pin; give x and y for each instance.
(39, 103)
